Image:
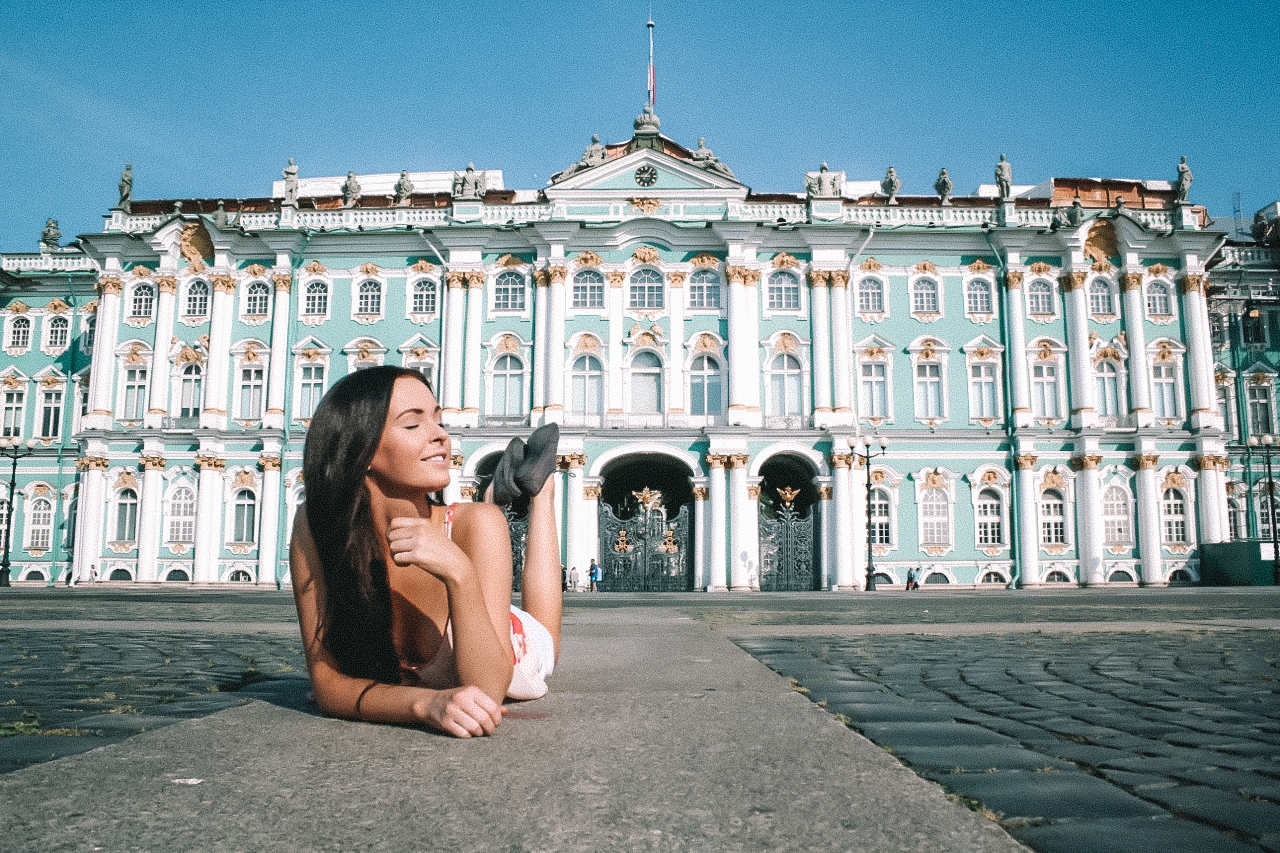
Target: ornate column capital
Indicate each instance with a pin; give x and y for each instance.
(839, 278)
(212, 463)
(824, 493)
(1071, 281)
(468, 492)
(474, 279)
(283, 281)
(455, 461)
(1131, 281)
(557, 274)
(153, 463)
(591, 493)
(841, 460)
(271, 463)
(700, 493)
(1013, 279)
(454, 279)
(567, 461)
(717, 460)
(166, 283)
(109, 285)
(223, 283)
(753, 492)
(1192, 283)
(738, 460)
(819, 278)
(1147, 461)
(1086, 462)
(93, 463)
(1025, 461)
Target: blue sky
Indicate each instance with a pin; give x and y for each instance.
(209, 99)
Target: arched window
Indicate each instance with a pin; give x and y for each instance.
(704, 289)
(880, 508)
(1116, 526)
(191, 395)
(1173, 510)
(182, 515)
(40, 533)
(197, 299)
(588, 290)
(1158, 302)
(508, 388)
(59, 333)
(256, 299)
(1108, 389)
(1164, 390)
(4, 518)
(508, 291)
(784, 292)
(1044, 389)
(240, 576)
(370, 300)
(317, 299)
(785, 386)
(646, 384)
(924, 297)
(990, 519)
(1057, 576)
(705, 387)
(246, 512)
(935, 518)
(1268, 508)
(144, 299)
(20, 332)
(647, 291)
(1040, 298)
(587, 391)
(1053, 518)
(871, 296)
(1236, 519)
(978, 299)
(1100, 300)
(127, 516)
(424, 297)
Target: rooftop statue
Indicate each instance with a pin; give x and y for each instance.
(825, 184)
(404, 189)
(1185, 178)
(1004, 178)
(468, 185)
(593, 156)
(891, 184)
(220, 215)
(704, 157)
(1061, 218)
(944, 186)
(647, 123)
(290, 174)
(126, 188)
(350, 190)
(50, 237)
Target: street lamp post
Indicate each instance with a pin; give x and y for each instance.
(15, 450)
(866, 456)
(1266, 442)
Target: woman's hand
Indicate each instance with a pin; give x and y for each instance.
(461, 712)
(418, 542)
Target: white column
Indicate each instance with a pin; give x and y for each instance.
(744, 349)
(675, 402)
(149, 512)
(1089, 519)
(1204, 410)
(453, 491)
(751, 535)
(850, 523)
(90, 513)
(827, 547)
(577, 526)
(453, 346)
(1149, 545)
(158, 399)
(1211, 497)
(216, 393)
(741, 556)
(1028, 558)
(555, 345)
(842, 347)
(1136, 335)
(1017, 352)
(702, 539)
(717, 558)
(209, 501)
(1081, 387)
(820, 334)
(541, 342)
(269, 529)
(278, 380)
(616, 333)
(589, 535)
(474, 357)
(103, 370)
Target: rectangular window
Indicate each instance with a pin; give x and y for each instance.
(989, 524)
(879, 518)
(251, 393)
(1164, 397)
(646, 297)
(312, 389)
(246, 521)
(41, 525)
(135, 394)
(982, 391)
(928, 390)
(1224, 408)
(1053, 525)
(875, 391)
(1044, 397)
(14, 404)
(784, 296)
(590, 295)
(51, 413)
(508, 296)
(704, 295)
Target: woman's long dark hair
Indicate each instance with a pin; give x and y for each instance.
(343, 436)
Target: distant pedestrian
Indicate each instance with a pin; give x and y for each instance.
(594, 575)
(69, 576)
(573, 579)
(93, 574)
(564, 578)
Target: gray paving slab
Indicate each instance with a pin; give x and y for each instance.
(657, 735)
(1128, 835)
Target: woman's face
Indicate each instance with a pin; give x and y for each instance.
(412, 458)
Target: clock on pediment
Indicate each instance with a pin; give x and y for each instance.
(646, 176)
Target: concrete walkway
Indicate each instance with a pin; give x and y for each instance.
(659, 734)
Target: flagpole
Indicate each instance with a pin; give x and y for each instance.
(653, 80)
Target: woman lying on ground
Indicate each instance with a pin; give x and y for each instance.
(405, 603)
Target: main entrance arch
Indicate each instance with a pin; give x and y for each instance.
(788, 525)
(645, 526)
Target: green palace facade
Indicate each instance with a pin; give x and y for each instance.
(1028, 367)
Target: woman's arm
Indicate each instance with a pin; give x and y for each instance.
(462, 711)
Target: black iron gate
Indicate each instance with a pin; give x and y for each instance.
(786, 546)
(518, 522)
(645, 552)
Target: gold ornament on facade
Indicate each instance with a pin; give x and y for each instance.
(616, 278)
(454, 279)
(364, 350)
(1165, 352)
(705, 343)
(873, 354)
(108, 285)
(928, 351)
(622, 546)
(1192, 283)
(675, 280)
(879, 477)
(983, 354)
(126, 480)
(211, 463)
(468, 492)
(1131, 281)
(1046, 352)
(645, 255)
(142, 271)
(1013, 279)
(990, 478)
(935, 480)
(926, 266)
(541, 278)
(1087, 462)
(419, 353)
(316, 268)
(508, 344)
(93, 463)
(841, 460)
(839, 278)
(591, 493)
(1101, 244)
(1052, 480)
(1220, 378)
(195, 245)
(647, 206)
(1105, 353)
(568, 461)
(271, 463)
(1040, 268)
(1261, 378)
(1101, 266)
(588, 259)
(753, 492)
(1072, 281)
(11, 382)
(56, 306)
(644, 340)
(824, 493)
(979, 265)
(700, 493)
(251, 353)
(819, 278)
(135, 355)
(648, 498)
(716, 460)
(1148, 461)
(474, 278)
(587, 343)
(188, 355)
(668, 545)
(369, 268)
(1174, 480)
(1025, 461)
(311, 354)
(737, 460)
(255, 270)
(704, 261)
(243, 479)
(787, 344)
(510, 260)
(870, 265)
(788, 496)
(422, 265)
(455, 461)
(1157, 270)
(783, 261)
(51, 381)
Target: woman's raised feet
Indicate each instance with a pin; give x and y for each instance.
(506, 487)
(539, 459)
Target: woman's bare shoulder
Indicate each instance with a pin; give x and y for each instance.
(478, 517)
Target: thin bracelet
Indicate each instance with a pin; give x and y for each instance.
(360, 698)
